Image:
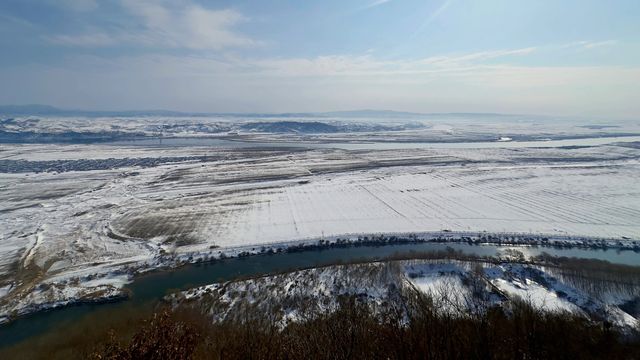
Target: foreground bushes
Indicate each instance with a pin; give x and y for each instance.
(353, 332)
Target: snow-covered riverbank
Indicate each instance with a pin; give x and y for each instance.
(462, 288)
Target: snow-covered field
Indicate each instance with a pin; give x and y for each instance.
(334, 127)
(72, 228)
(455, 287)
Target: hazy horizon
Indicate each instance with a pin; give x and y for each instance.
(574, 58)
(51, 110)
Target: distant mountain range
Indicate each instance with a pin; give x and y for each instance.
(47, 110)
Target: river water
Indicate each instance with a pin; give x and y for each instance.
(146, 290)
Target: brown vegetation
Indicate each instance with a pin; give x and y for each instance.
(354, 332)
(413, 327)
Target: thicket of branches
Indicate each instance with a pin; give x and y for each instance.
(595, 277)
(354, 332)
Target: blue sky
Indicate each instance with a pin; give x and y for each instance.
(564, 57)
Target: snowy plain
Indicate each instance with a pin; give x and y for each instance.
(70, 230)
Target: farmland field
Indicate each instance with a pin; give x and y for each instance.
(79, 220)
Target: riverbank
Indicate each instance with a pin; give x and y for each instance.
(110, 285)
(457, 286)
(157, 277)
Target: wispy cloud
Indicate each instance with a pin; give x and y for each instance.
(446, 83)
(433, 16)
(476, 57)
(593, 45)
(8, 22)
(85, 40)
(77, 5)
(182, 25)
(344, 65)
(587, 45)
(375, 3)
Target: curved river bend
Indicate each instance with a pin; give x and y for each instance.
(150, 288)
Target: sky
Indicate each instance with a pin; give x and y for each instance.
(554, 57)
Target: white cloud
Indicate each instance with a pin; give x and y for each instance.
(587, 45)
(375, 3)
(168, 25)
(593, 45)
(368, 65)
(11, 22)
(77, 5)
(433, 16)
(465, 82)
(88, 40)
(476, 57)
